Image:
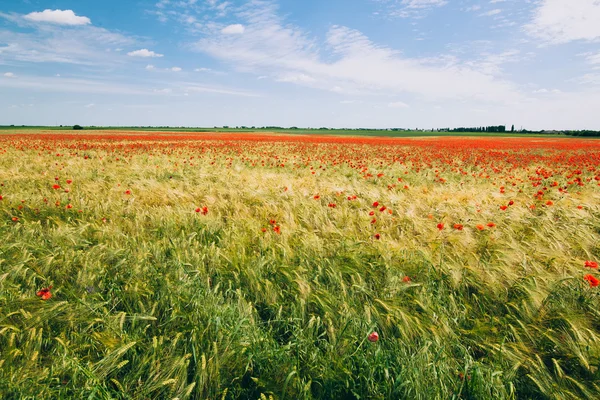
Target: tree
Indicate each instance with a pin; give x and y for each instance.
(512, 129)
(77, 127)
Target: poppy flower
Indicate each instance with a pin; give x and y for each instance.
(373, 337)
(383, 208)
(272, 222)
(264, 230)
(128, 192)
(458, 227)
(549, 203)
(377, 236)
(15, 219)
(374, 221)
(68, 206)
(69, 181)
(1, 198)
(198, 210)
(440, 226)
(44, 293)
(510, 203)
(591, 264)
(480, 227)
(376, 204)
(372, 213)
(491, 224)
(316, 197)
(406, 279)
(503, 208)
(592, 280)
(277, 230)
(204, 210)
(55, 186)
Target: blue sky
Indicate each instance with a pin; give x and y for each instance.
(338, 63)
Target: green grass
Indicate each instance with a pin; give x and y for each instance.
(153, 300)
(300, 131)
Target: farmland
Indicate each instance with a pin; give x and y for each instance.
(232, 265)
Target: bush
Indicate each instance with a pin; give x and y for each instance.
(77, 127)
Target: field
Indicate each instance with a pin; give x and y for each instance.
(148, 265)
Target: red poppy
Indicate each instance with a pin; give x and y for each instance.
(480, 227)
(1, 198)
(510, 203)
(272, 222)
(69, 181)
(316, 197)
(44, 293)
(264, 230)
(128, 192)
(204, 210)
(491, 224)
(503, 208)
(591, 264)
(376, 204)
(578, 207)
(406, 279)
(373, 337)
(440, 226)
(372, 213)
(15, 219)
(198, 210)
(373, 221)
(69, 206)
(549, 203)
(592, 280)
(377, 236)
(458, 227)
(277, 230)
(55, 186)
(383, 208)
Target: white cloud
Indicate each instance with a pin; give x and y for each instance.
(143, 53)
(561, 21)
(89, 105)
(296, 78)
(271, 47)
(175, 69)
(60, 17)
(398, 104)
(235, 29)
(150, 67)
(475, 7)
(490, 13)
(10, 75)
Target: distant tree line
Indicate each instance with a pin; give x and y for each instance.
(494, 129)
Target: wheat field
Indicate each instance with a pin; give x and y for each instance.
(240, 266)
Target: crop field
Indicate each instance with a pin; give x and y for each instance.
(148, 265)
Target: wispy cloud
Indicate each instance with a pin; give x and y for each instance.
(410, 8)
(560, 21)
(352, 63)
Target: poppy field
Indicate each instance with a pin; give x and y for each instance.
(138, 265)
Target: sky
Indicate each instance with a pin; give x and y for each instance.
(306, 63)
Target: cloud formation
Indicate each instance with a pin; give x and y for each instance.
(59, 17)
(145, 53)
